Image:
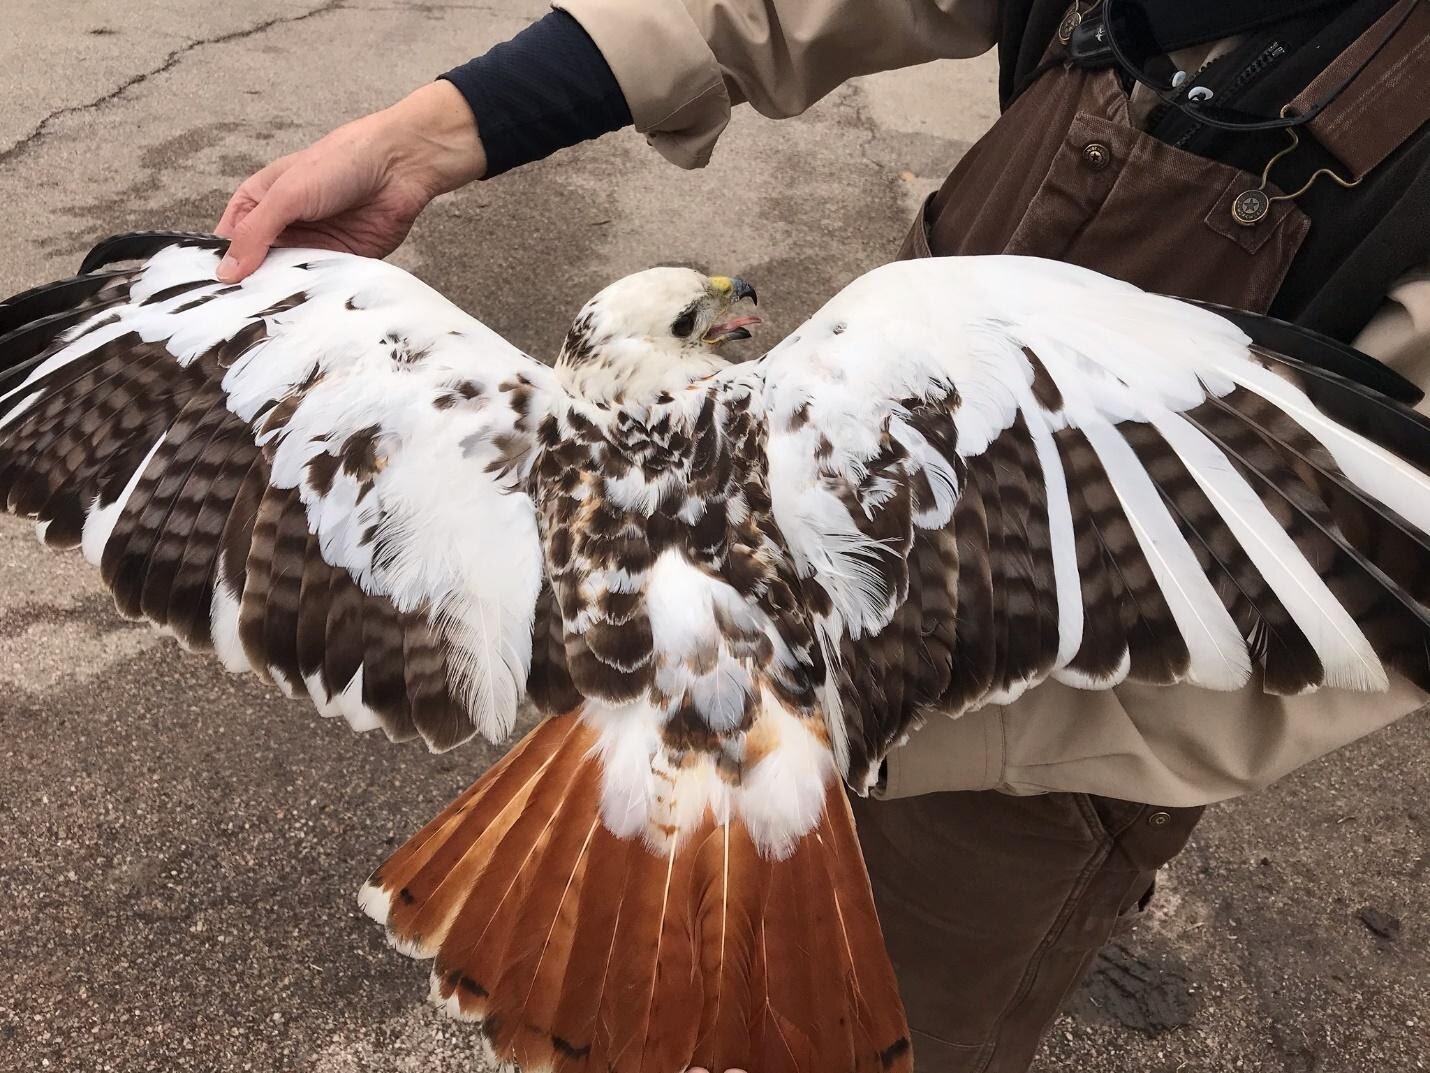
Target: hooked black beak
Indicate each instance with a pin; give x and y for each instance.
(733, 289)
(740, 289)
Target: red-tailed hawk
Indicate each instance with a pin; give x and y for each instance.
(732, 588)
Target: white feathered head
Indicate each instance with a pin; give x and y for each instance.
(651, 331)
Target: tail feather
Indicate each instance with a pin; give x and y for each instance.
(648, 1012)
(576, 950)
(593, 947)
(729, 954)
(528, 993)
(395, 891)
(470, 877)
(870, 976)
(802, 993)
(486, 937)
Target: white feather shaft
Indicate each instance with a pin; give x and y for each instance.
(1348, 657)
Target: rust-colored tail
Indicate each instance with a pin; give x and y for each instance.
(576, 950)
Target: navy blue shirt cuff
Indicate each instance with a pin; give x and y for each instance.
(546, 88)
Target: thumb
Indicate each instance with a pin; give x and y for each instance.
(256, 233)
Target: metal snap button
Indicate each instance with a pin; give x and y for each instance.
(1159, 819)
(1096, 155)
(1250, 207)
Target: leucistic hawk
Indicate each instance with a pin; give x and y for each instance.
(732, 588)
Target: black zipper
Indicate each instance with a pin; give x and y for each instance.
(1268, 56)
(1271, 54)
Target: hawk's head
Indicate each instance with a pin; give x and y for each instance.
(652, 331)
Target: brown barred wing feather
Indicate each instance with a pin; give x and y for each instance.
(216, 451)
(999, 470)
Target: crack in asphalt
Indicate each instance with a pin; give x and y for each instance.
(852, 102)
(170, 61)
(430, 7)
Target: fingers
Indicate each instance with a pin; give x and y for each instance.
(255, 229)
(239, 206)
(245, 199)
(249, 193)
(343, 188)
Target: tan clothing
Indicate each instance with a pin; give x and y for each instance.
(682, 64)
(1399, 334)
(1180, 746)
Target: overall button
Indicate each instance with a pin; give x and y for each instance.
(1250, 207)
(1159, 819)
(1096, 155)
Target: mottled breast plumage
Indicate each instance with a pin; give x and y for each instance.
(665, 508)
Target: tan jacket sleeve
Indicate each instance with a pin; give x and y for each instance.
(1180, 746)
(682, 64)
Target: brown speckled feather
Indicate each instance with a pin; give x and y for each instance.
(384, 684)
(1157, 650)
(314, 598)
(1372, 561)
(204, 543)
(259, 568)
(432, 710)
(291, 542)
(184, 496)
(1290, 663)
(343, 632)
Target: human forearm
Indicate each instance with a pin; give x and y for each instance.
(672, 66)
(545, 89)
(431, 134)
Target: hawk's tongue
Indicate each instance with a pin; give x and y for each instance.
(734, 328)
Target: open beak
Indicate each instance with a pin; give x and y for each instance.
(736, 327)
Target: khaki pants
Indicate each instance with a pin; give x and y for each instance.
(993, 907)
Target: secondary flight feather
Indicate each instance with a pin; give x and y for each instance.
(730, 588)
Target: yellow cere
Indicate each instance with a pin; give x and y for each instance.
(722, 284)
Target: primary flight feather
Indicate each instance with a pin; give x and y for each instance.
(731, 588)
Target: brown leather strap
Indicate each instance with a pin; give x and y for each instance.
(1386, 103)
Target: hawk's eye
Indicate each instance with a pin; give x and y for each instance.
(684, 324)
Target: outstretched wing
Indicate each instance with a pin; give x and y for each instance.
(996, 470)
(316, 474)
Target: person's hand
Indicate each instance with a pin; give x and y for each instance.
(359, 188)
